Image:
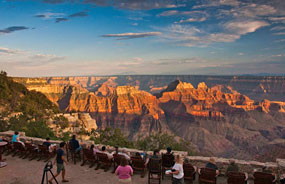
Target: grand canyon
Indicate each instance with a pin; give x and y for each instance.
(228, 116)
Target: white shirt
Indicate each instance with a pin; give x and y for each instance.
(125, 155)
(178, 167)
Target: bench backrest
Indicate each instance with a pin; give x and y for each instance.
(155, 165)
(188, 170)
(207, 175)
(263, 178)
(138, 163)
(88, 154)
(167, 160)
(236, 178)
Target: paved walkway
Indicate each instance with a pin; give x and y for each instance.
(22, 171)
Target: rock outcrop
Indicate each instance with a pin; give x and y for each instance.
(218, 119)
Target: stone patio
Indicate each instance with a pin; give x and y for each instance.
(22, 171)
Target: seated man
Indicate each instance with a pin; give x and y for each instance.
(233, 167)
(47, 143)
(169, 151)
(211, 165)
(110, 156)
(75, 144)
(187, 161)
(125, 154)
(155, 154)
(16, 138)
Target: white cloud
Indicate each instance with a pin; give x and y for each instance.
(279, 34)
(244, 27)
(278, 28)
(133, 35)
(202, 19)
(49, 15)
(241, 54)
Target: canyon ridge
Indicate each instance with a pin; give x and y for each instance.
(228, 116)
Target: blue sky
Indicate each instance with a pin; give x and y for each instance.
(101, 37)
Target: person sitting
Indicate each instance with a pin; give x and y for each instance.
(47, 143)
(125, 154)
(116, 150)
(16, 138)
(233, 167)
(211, 165)
(187, 161)
(94, 149)
(124, 172)
(155, 154)
(75, 144)
(103, 150)
(169, 151)
(1, 138)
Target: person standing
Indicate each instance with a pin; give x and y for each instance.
(60, 160)
(124, 171)
(177, 171)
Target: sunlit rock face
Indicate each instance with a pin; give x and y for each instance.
(218, 115)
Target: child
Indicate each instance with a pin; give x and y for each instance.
(59, 162)
(124, 171)
(177, 171)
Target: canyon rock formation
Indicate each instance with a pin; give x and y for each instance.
(223, 116)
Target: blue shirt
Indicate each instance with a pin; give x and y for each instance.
(14, 138)
(211, 166)
(59, 154)
(74, 143)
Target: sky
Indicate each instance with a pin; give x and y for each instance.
(122, 37)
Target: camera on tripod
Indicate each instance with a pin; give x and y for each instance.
(48, 166)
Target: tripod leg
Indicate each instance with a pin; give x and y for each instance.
(43, 178)
(53, 177)
(47, 177)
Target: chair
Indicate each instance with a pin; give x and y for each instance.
(167, 163)
(44, 153)
(88, 156)
(189, 172)
(263, 178)
(236, 178)
(138, 164)
(207, 176)
(102, 159)
(30, 152)
(8, 149)
(117, 161)
(19, 149)
(155, 169)
(74, 155)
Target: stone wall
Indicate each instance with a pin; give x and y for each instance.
(199, 161)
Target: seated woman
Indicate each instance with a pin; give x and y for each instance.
(125, 154)
(94, 149)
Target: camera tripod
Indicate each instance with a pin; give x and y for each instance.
(47, 169)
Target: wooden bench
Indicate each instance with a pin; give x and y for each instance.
(88, 156)
(45, 153)
(207, 176)
(236, 178)
(167, 163)
(71, 154)
(31, 151)
(155, 169)
(263, 178)
(117, 161)
(102, 159)
(138, 164)
(19, 149)
(189, 172)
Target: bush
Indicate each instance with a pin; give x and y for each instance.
(112, 137)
